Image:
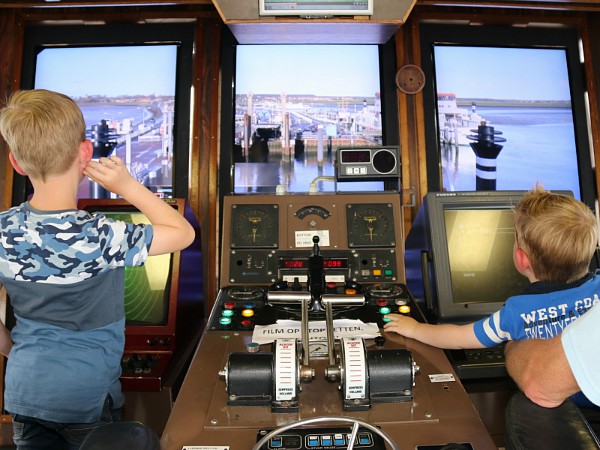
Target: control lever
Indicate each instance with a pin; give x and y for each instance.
(307, 373)
(316, 275)
(333, 371)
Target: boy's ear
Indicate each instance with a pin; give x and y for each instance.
(86, 150)
(522, 260)
(15, 164)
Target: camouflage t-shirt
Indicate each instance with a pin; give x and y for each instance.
(64, 274)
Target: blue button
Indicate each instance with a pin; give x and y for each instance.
(276, 442)
(364, 439)
(313, 441)
(325, 440)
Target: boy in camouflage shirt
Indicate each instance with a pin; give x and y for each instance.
(63, 270)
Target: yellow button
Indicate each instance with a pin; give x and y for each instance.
(404, 309)
(248, 312)
(377, 272)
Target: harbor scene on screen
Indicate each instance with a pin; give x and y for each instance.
(128, 112)
(295, 105)
(524, 95)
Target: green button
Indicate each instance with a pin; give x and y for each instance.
(227, 313)
(385, 310)
(385, 319)
(388, 272)
(225, 321)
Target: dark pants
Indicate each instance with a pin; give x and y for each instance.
(30, 433)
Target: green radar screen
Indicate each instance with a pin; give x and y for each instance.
(147, 287)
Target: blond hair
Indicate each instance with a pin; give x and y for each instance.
(558, 233)
(43, 130)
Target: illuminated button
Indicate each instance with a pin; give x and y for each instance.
(377, 272)
(350, 291)
(225, 321)
(276, 442)
(404, 309)
(249, 305)
(313, 441)
(385, 319)
(338, 439)
(248, 312)
(388, 272)
(400, 301)
(385, 310)
(326, 440)
(227, 313)
(364, 439)
(229, 305)
(382, 302)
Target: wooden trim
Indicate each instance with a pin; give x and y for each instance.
(11, 42)
(540, 5)
(592, 75)
(96, 3)
(205, 150)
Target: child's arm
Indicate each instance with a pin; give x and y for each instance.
(172, 232)
(447, 336)
(6, 342)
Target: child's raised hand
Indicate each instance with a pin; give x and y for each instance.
(400, 324)
(110, 173)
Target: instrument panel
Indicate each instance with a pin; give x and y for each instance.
(269, 237)
(296, 271)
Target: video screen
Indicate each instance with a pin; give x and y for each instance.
(295, 105)
(524, 95)
(127, 96)
(147, 288)
(480, 252)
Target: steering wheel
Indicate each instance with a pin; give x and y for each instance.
(356, 423)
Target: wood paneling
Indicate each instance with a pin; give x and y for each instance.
(11, 41)
(204, 149)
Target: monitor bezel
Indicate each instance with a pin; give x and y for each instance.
(120, 205)
(439, 299)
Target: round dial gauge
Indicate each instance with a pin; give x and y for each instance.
(254, 226)
(370, 225)
(318, 349)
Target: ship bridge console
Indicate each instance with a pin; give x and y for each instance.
(294, 355)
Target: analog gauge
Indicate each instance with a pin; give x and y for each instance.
(370, 225)
(318, 349)
(254, 226)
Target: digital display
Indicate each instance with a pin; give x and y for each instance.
(328, 263)
(335, 263)
(293, 263)
(356, 156)
(333, 7)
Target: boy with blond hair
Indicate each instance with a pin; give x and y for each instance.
(63, 270)
(555, 239)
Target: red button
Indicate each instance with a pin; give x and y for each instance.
(229, 305)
